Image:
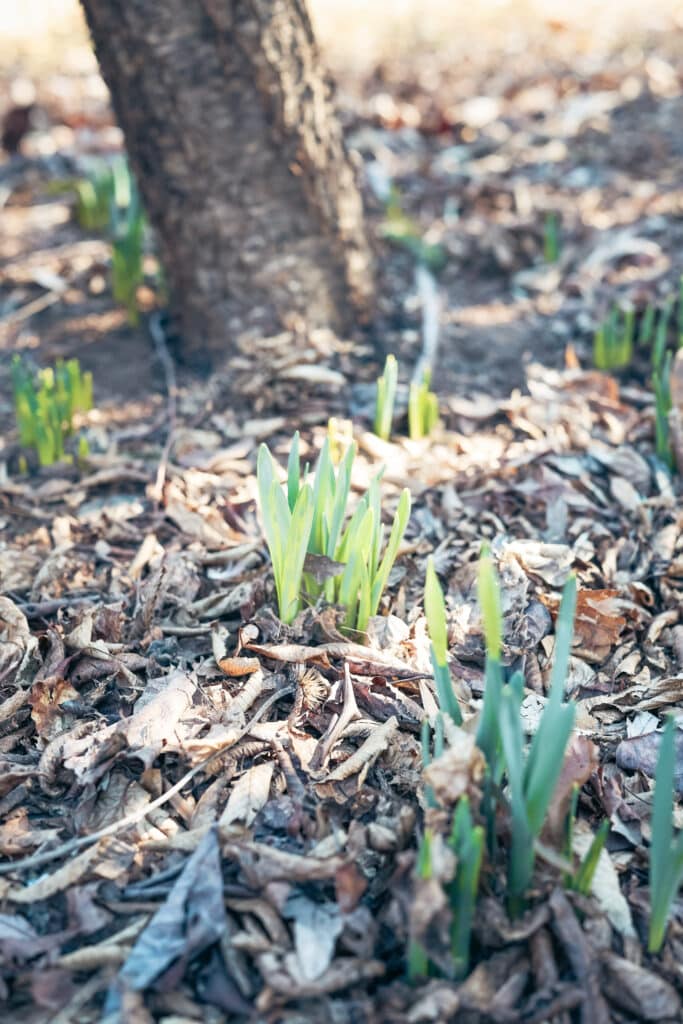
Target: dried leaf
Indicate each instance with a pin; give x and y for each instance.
(248, 795)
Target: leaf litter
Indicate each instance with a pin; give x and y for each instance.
(207, 815)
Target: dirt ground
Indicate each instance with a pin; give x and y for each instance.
(207, 816)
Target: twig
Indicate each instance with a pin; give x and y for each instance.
(164, 357)
(132, 819)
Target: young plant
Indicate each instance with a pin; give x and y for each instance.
(45, 406)
(287, 529)
(661, 336)
(666, 851)
(647, 326)
(585, 872)
(661, 385)
(613, 341)
(551, 238)
(467, 842)
(386, 397)
(423, 408)
(581, 879)
(403, 231)
(368, 562)
(488, 732)
(363, 564)
(425, 741)
(532, 780)
(435, 610)
(94, 197)
(418, 962)
(128, 230)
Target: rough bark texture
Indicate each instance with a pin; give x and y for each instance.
(231, 130)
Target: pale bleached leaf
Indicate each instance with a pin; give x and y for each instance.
(249, 794)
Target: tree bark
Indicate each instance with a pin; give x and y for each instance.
(231, 130)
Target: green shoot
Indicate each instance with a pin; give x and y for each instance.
(661, 385)
(373, 571)
(467, 842)
(423, 409)
(532, 782)
(128, 228)
(403, 231)
(45, 406)
(287, 533)
(418, 962)
(647, 326)
(386, 397)
(583, 877)
(613, 340)
(666, 852)
(488, 733)
(551, 238)
(425, 742)
(661, 334)
(435, 610)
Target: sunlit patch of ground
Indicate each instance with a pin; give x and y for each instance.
(43, 36)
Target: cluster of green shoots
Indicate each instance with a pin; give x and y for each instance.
(423, 405)
(403, 231)
(350, 564)
(518, 782)
(45, 407)
(613, 340)
(108, 199)
(613, 348)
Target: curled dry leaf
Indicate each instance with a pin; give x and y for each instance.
(239, 666)
(370, 749)
(459, 770)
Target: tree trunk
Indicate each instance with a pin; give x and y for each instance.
(232, 133)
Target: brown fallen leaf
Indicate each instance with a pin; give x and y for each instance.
(639, 991)
(46, 699)
(239, 666)
(580, 761)
(17, 836)
(598, 624)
